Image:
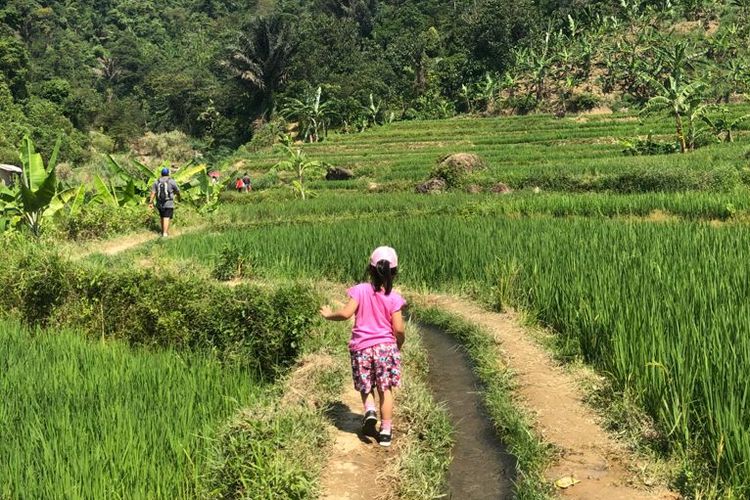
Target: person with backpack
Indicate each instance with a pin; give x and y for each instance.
(247, 182)
(164, 191)
(239, 185)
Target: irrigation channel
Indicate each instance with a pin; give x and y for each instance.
(482, 468)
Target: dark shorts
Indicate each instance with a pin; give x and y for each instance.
(166, 213)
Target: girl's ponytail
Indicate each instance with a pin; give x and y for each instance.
(382, 276)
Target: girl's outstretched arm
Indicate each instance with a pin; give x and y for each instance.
(342, 314)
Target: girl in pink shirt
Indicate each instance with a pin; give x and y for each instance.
(377, 336)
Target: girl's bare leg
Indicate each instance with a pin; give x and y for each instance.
(386, 404)
(368, 400)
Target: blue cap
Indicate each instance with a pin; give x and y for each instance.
(165, 171)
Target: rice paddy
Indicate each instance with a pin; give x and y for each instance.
(99, 420)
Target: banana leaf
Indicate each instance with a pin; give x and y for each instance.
(39, 199)
(103, 193)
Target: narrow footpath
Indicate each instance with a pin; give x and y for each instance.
(355, 461)
(562, 419)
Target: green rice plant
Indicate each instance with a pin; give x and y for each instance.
(99, 420)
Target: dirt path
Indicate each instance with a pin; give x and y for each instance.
(562, 418)
(354, 461)
(128, 242)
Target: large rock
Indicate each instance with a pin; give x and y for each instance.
(432, 186)
(454, 169)
(501, 188)
(465, 162)
(339, 174)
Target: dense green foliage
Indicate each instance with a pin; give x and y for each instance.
(258, 328)
(214, 69)
(99, 420)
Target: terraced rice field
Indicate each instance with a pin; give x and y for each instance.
(520, 151)
(649, 287)
(657, 303)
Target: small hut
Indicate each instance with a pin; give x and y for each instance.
(8, 174)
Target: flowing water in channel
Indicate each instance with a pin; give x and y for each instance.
(482, 469)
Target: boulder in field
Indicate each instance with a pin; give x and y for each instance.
(473, 189)
(464, 162)
(501, 188)
(432, 186)
(454, 169)
(339, 174)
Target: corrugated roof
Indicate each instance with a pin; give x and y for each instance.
(11, 168)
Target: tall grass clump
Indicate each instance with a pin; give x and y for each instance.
(100, 420)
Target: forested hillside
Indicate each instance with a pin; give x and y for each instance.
(105, 72)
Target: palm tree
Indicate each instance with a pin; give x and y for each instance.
(260, 60)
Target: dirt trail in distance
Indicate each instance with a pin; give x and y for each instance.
(561, 417)
(128, 242)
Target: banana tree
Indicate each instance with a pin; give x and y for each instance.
(312, 114)
(135, 188)
(724, 125)
(682, 101)
(300, 166)
(38, 186)
(206, 195)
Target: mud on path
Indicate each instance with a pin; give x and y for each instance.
(602, 465)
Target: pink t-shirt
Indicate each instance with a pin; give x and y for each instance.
(372, 321)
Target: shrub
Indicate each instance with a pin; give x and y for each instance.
(723, 179)
(521, 104)
(648, 146)
(268, 180)
(233, 263)
(265, 135)
(584, 101)
(101, 143)
(171, 146)
(101, 221)
(251, 326)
